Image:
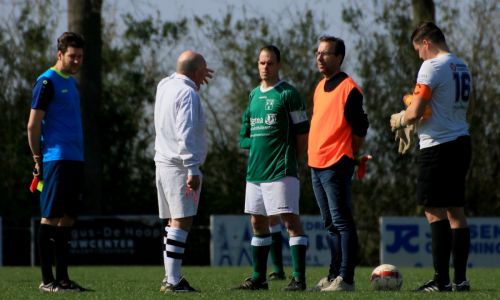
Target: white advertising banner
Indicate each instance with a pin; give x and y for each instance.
(231, 236)
(406, 241)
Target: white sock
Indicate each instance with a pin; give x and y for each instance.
(176, 243)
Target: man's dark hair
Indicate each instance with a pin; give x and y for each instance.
(430, 31)
(273, 49)
(70, 39)
(338, 45)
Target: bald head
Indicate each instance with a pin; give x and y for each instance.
(188, 62)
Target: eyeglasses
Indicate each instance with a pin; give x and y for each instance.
(323, 54)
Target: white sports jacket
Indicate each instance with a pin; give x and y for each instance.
(179, 124)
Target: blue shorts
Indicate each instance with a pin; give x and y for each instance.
(62, 188)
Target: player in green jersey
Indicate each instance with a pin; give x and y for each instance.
(275, 130)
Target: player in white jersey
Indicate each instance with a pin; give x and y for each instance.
(443, 83)
(444, 75)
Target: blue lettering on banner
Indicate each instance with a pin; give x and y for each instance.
(225, 255)
(484, 231)
(319, 242)
(244, 255)
(231, 237)
(428, 247)
(402, 238)
(309, 226)
(485, 248)
(407, 241)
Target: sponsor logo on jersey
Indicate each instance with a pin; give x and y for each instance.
(269, 104)
(271, 119)
(453, 67)
(254, 121)
(64, 91)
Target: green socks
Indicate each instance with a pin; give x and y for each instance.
(260, 250)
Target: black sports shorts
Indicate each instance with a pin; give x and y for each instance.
(442, 171)
(62, 188)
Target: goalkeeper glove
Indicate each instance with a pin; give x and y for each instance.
(398, 120)
(405, 136)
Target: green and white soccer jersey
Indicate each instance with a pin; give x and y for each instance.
(270, 124)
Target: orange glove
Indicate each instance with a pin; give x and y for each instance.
(408, 98)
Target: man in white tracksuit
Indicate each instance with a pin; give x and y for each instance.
(181, 148)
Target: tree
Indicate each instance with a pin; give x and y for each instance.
(423, 10)
(84, 17)
(23, 41)
(26, 49)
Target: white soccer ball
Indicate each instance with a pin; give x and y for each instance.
(386, 277)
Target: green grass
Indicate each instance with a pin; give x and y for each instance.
(144, 283)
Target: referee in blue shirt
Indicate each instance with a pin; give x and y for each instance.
(55, 137)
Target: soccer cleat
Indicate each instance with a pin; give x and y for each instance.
(251, 285)
(295, 285)
(164, 283)
(277, 276)
(50, 287)
(339, 285)
(464, 286)
(433, 286)
(181, 287)
(71, 286)
(323, 283)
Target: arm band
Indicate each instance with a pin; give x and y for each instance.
(423, 90)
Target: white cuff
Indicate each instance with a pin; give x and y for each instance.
(194, 170)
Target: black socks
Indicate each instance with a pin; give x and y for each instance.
(441, 250)
(63, 236)
(46, 238)
(53, 242)
(460, 253)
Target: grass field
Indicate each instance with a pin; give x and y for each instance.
(214, 283)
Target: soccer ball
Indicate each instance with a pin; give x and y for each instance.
(386, 278)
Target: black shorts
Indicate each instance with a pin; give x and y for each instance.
(62, 188)
(442, 171)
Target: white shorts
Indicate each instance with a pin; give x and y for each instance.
(272, 198)
(174, 200)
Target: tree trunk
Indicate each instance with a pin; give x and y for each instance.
(423, 10)
(84, 17)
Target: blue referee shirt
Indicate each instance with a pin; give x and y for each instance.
(62, 133)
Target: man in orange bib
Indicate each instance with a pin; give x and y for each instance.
(338, 127)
